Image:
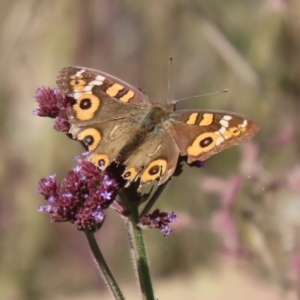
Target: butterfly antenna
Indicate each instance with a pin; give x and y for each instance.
(204, 95)
(169, 78)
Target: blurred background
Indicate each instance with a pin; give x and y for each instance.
(237, 231)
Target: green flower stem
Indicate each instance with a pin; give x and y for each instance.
(103, 267)
(139, 255)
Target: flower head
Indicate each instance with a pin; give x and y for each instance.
(80, 198)
(54, 104)
(159, 220)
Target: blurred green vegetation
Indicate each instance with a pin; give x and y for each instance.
(238, 217)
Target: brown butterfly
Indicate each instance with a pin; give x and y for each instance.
(118, 123)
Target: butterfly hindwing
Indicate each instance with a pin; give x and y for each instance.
(155, 158)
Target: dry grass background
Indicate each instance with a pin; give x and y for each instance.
(237, 234)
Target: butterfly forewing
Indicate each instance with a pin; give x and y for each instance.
(201, 133)
(73, 81)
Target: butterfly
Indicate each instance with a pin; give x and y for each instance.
(118, 123)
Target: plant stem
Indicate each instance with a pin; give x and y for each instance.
(103, 267)
(139, 255)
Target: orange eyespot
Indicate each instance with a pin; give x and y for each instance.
(234, 131)
(86, 106)
(203, 143)
(101, 160)
(78, 84)
(91, 137)
(154, 170)
(130, 174)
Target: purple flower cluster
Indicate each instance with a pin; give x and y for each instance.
(54, 104)
(81, 198)
(159, 220)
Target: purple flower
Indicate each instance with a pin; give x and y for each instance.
(98, 214)
(106, 195)
(54, 104)
(172, 217)
(166, 230)
(159, 220)
(80, 198)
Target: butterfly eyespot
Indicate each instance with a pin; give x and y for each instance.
(206, 142)
(127, 174)
(130, 174)
(78, 84)
(101, 160)
(85, 103)
(88, 140)
(86, 106)
(101, 163)
(154, 170)
(234, 131)
(91, 137)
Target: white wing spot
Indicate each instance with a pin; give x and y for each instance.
(222, 130)
(76, 95)
(227, 118)
(244, 123)
(100, 78)
(88, 88)
(224, 123)
(79, 73)
(96, 82)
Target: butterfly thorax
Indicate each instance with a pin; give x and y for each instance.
(153, 118)
(149, 124)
